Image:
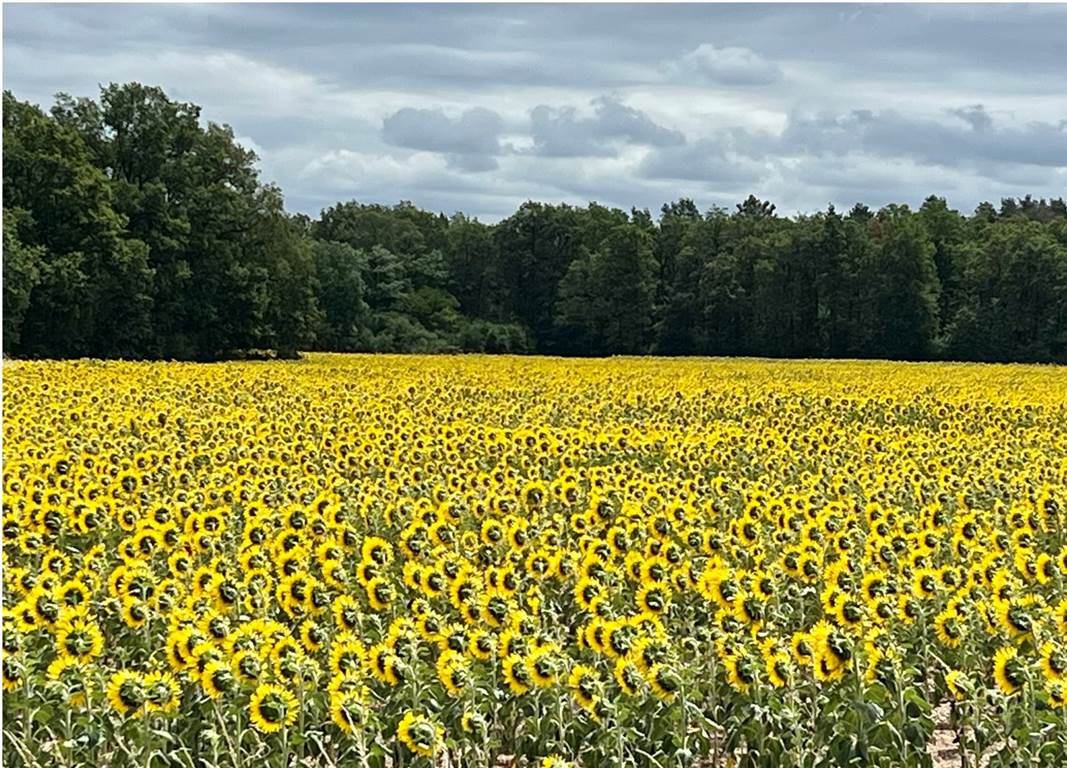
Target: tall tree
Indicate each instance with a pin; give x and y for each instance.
(944, 227)
(683, 327)
(223, 259)
(133, 228)
(92, 295)
(22, 273)
(1014, 296)
(606, 297)
(901, 286)
(470, 259)
(345, 318)
(675, 221)
(536, 246)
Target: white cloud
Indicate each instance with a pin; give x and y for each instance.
(728, 65)
(480, 107)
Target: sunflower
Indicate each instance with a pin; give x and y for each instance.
(162, 691)
(534, 494)
(586, 590)
(829, 664)
(78, 637)
(512, 641)
(46, 610)
(494, 608)
(851, 613)
(346, 613)
(492, 532)
(13, 672)
(925, 583)
(654, 597)
(957, 684)
(217, 678)
(648, 652)
(584, 683)
(1053, 662)
(880, 666)
(313, 636)
(802, 648)
(75, 677)
(617, 638)
(1016, 615)
(383, 663)
(419, 734)
(664, 682)
(1045, 568)
(247, 666)
(778, 667)
(947, 628)
(482, 644)
(554, 761)
(135, 612)
(348, 710)
(73, 593)
(215, 626)
(1008, 670)
(1057, 694)
(126, 693)
(272, 708)
(26, 619)
(471, 722)
(334, 574)
(379, 593)
(516, 674)
(377, 550)
(454, 672)
(749, 610)
(181, 646)
(542, 665)
(740, 671)
(628, 676)
(907, 609)
(1059, 614)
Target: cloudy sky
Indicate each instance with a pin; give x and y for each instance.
(479, 107)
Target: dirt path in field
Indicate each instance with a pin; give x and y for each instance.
(942, 747)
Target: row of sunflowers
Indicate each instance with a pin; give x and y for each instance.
(393, 561)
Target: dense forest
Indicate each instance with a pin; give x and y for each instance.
(133, 229)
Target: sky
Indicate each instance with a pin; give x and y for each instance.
(477, 108)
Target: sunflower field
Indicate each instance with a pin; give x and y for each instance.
(478, 561)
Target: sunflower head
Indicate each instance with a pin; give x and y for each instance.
(416, 732)
(1008, 670)
(126, 693)
(272, 708)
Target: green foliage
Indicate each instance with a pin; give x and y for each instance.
(606, 297)
(899, 281)
(1013, 289)
(22, 273)
(536, 245)
(132, 230)
(89, 294)
(340, 291)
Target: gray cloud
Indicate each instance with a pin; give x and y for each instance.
(470, 140)
(728, 65)
(974, 138)
(561, 132)
(479, 107)
(975, 116)
(703, 160)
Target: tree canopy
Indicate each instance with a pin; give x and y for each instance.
(134, 229)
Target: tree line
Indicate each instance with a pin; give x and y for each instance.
(131, 229)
